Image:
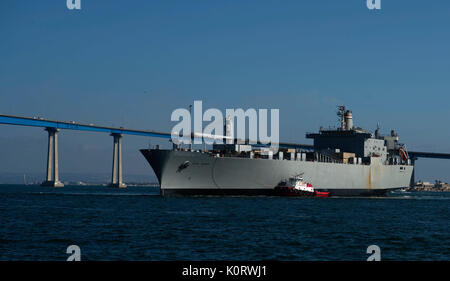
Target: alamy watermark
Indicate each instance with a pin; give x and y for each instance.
(213, 133)
(73, 4)
(373, 4)
(76, 4)
(75, 253)
(375, 253)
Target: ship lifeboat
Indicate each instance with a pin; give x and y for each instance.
(296, 187)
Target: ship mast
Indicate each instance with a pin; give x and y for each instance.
(341, 115)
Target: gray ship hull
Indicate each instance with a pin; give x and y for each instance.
(209, 175)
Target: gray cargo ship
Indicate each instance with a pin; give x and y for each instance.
(345, 161)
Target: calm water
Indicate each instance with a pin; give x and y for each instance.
(39, 223)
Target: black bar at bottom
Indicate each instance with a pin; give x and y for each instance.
(223, 270)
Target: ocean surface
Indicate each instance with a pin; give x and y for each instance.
(39, 223)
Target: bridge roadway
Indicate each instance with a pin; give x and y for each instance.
(72, 125)
(53, 127)
(435, 155)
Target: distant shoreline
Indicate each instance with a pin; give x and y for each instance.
(426, 186)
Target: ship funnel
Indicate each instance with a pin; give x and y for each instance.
(348, 120)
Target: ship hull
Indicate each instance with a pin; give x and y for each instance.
(197, 173)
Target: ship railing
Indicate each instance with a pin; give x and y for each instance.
(326, 158)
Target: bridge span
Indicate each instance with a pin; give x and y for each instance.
(54, 126)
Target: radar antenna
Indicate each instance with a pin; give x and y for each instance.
(377, 131)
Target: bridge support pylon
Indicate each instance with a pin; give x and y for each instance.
(52, 160)
(117, 180)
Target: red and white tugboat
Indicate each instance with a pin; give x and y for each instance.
(295, 186)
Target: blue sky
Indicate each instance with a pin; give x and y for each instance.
(131, 63)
